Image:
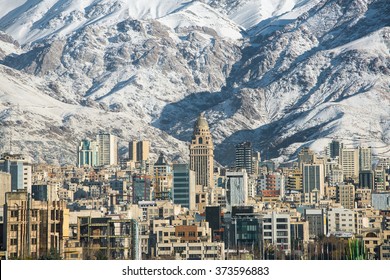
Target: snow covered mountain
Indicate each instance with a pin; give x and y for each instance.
(281, 74)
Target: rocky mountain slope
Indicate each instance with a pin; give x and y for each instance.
(281, 74)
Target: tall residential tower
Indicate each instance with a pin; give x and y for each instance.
(139, 150)
(108, 149)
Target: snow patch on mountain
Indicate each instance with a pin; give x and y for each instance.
(200, 15)
(302, 72)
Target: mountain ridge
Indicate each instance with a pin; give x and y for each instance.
(298, 77)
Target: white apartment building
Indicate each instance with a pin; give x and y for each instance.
(341, 219)
(276, 231)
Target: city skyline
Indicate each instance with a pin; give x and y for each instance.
(195, 130)
(147, 209)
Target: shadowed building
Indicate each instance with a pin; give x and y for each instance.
(184, 186)
(244, 157)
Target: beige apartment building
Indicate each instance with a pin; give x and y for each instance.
(139, 150)
(191, 251)
(185, 239)
(349, 160)
(346, 195)
(363, 198)
(34, 229)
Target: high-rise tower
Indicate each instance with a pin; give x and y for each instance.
(20, 168)
(365, 158)
(139, 150)
(108, 149)
(88, 153)
(244, 156)
(202, 153)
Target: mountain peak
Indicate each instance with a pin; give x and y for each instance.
(282, 75)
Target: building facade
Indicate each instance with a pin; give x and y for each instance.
(365, 158)
(202, 154)
(349, 160)
(244, 157)
(313, 178)
(108, 149)
(184, 186)
(276, 231)
(19, 166)
(346, 195)
(33, 229)
(236, 188)
(162, 179)
(113, 238)
(139, 150)
(88, 153)
(340, 219)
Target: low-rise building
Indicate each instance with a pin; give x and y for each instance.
(340, 219)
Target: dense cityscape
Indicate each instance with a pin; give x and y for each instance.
(329, 206)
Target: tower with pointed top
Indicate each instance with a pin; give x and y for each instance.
(202, 153)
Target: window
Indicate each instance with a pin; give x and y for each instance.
(33, 241)
(34, 227)
(179, 249)
(191, 234)
(14, 241)
(14, 227)
(165, 248)
(282, 240)
(281, 226)
(180, 233)
(198, 248)
(14, 213)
